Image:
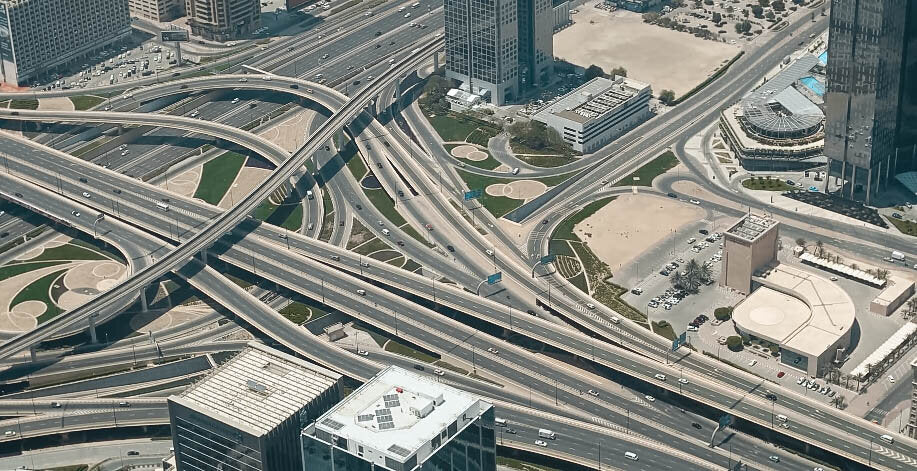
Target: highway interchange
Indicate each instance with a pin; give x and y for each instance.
(135, 207)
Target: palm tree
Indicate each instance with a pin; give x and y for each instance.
(820, 246)
(839, 401)
(801, 242)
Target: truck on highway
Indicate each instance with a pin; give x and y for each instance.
(545, 433)
(896, 255)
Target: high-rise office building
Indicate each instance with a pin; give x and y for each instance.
(912, 417)
(497, 47)
(157, 10)
(223, 20)
(402, 421)
(871, 101)
(38, 35)
(248, 414)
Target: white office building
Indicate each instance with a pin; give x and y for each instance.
(38, 35)
(247, 415)
(598, 112)
(403, 421)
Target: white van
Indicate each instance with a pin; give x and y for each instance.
(416, 5)
(782, 418)
(516, 171)
(361, 292)
(162, 206)
(386, 232)
(309, 194)
(631, 455)
(545, 433)
(887, 439)
(499, 422)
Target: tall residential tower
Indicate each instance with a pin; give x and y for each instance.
(223, 20)
(871, 101)
(499, 46)
(38, 35)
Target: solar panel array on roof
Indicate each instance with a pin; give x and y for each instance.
(383, 412)
(386, 425)
(365, 417)
(398, 450)
(333, 424)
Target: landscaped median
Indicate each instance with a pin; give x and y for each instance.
(502, 195)
(767, 184)
(580, 266)
(218, 175)
(85, 102)
(645, 175)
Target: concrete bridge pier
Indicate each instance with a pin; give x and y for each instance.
(93, 337)
(144, 304)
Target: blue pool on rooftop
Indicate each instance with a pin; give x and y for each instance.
(823, 57)
(813, 84)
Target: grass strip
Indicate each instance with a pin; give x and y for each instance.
(766, 184)
(650, 170)
(68, 252)
(218, 175)
(906, 227)
(403, 350)
(85, 102)
(40, 290)
(15, 269)
(373, 245)
(24, 104)
(380, 199)
(296, 312)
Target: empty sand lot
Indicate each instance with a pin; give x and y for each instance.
(633, 223)
(664, 58)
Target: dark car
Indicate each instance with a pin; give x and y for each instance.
(450, 248)
(294, 86)
(378, 33)
(83, 179)
(379, 164)
(133, 453)
(401, 193)
(529, 311)
(418, 367)
(359, 207)
(704, 231)
(117, 191)
(545, 221)
(342, 223)
(896, 215)
(672, 195)
(400, 243)
(356, 82)
(184, 86)
(696, 425)
(378, 46)
(771, 396)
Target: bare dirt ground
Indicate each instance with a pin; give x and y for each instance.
(289, 133)
(633, 223)
(664, 58)
(60, 103)
(246, 179)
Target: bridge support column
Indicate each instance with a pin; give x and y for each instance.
(32, 354)
(93, 338)
(144, 304)
(204, 256)
(435, 61)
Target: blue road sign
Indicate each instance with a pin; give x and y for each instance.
(495, 278)
(683, 338)
(473, 194)
(548, 258)
(675, 345)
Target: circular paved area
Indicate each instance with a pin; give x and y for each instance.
(24, 316)
(520, 189)
(476, 156)
(766, 315)
(463, 151)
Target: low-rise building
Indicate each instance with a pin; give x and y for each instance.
(598, 112)
(749, 245)
(248, 413)
(780, 125)
(892, 297)
(38, 35)
(157, 10)
(402, 421)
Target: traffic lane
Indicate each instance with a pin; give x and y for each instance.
(555, 339)
(47, 425)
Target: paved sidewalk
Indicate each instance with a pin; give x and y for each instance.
(860, 405)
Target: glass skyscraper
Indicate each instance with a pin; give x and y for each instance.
(498, 46)
(871, 101)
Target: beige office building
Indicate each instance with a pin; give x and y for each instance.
(223, 20)
(750, 245)
(157, 10)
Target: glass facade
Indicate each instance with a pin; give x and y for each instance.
(871, 101)
(472, 449)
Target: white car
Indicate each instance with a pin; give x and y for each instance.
(753, 363)
(660, 376)
(493, 350)
(682, 380)
(490, 253)
(86, 194)
(891, 379)
(362, 353)
(593, 393)
(541, 443)
(75, 213)
(439, 372)
(235, 100)
(590, 306)
(650, 398)
(695, 202)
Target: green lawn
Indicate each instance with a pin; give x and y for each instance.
(373, 245)
(380, 199)
(218, 175)
(546, 161)
(68, 252)
(767, 184)
(409, 230)
(39, 290)
(560, 247)
(580, 282)
(610, 295)
(564, 230)
(385, 255)
(450, 128)
(288, 215)
(497, 205)
(666, 331)
(519, 148)
(650, 170)
(24, 104)
(411, 265)
(357, 167)
(489, 163)
(906, 227)
(296, 312)
(15, 269)
(400, 349)
(85, 102)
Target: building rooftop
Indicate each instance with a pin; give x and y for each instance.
(258, 389)
(777, 107)
(797, 309)
(751, 227)
(396, 413)
(592, 100)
